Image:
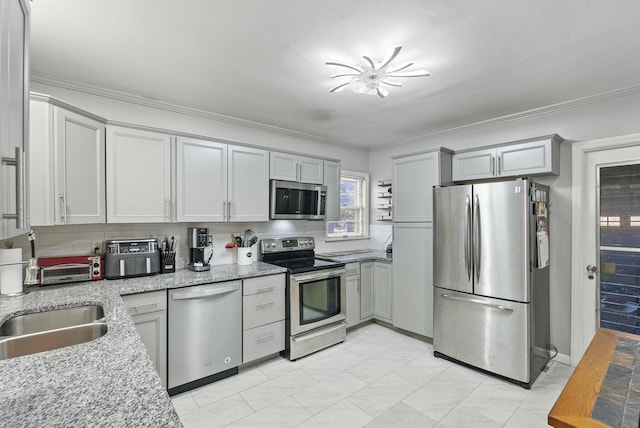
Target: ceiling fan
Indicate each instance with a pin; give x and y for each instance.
(369, 76)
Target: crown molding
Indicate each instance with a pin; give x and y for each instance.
(188, 111)
(553, 108)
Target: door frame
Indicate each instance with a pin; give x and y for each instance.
(580, 335)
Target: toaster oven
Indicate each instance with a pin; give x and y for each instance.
(63, 269)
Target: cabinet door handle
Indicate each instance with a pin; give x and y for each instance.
(229, 210)
(264, 290)
(499, 165)
(265, 337)
(492, 164)
(264, 305)
(224, 210)
(63, 208)
(18, 161)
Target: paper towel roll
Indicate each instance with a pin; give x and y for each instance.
(10, 270)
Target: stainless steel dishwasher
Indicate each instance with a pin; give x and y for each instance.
(205, 334)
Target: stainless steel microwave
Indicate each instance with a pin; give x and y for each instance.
(297, 201)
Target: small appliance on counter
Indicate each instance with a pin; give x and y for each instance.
(199, 242)
(132, 257)
(63, 269)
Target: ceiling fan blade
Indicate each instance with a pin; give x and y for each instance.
(335, 76)
(339, 87)
(391, 54)
(369, 61)
(382, 92)
(402, 67)
(416, 73)
(396, 84)
(345, 66)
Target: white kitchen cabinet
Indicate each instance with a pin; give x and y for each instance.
(291, 167)
(529, 157)
(382, 291)
(332, 181)
(248, 184)
(149, 314)
(413, 277)
(67, 164)
(201, 180)
(263, 316)
(14, 117)
(366, 290)
(414, 176)
(138, 176)
(353, 294)
(217, 182)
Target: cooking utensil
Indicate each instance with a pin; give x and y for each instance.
(248, 236)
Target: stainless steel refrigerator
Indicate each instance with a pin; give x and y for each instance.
(491, 277)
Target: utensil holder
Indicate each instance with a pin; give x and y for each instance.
(244, 255)
(167, 261)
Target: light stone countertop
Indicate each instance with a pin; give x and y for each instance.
(369, 256)
(109, 381)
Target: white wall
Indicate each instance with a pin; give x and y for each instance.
(611, 117)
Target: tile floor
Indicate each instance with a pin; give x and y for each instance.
(377, 378)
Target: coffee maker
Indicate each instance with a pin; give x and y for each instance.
(199, 240)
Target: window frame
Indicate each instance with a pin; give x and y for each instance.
(363, 179)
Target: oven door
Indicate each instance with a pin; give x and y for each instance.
(316, 299)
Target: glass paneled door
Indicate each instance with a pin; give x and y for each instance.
(619, 290)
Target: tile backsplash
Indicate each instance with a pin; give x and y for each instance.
(81, 239)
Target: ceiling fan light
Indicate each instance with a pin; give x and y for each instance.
(369, 75)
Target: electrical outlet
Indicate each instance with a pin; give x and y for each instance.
(96, 247)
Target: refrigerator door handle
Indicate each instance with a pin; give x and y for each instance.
(467, 238)
(478, 301)
(477, 236)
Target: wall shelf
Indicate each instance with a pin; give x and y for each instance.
(384, 205)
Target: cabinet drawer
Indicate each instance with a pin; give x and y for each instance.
(263, 308)
(263, 284)
(145, 303)
(262, 341)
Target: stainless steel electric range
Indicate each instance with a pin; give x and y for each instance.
(316, 295)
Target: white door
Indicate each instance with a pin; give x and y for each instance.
(201, 180)
(138, 176)
(248, 184)
(80, 169)
(413, 181)
(592, 162)
(311, 170)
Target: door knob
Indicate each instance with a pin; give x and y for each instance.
(592, 271)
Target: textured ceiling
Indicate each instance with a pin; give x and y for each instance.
(263, 60)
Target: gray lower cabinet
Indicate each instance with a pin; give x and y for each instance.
(263, 315)
(366, 290)
(353, 294)
(149, 314)
(413, 277)
(382, 290)
(376, 290)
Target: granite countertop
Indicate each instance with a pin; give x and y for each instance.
(108, 382)
(358, 256)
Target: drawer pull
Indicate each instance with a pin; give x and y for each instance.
(265, 338)
(265, 290)
(264, 305)
(141, 309)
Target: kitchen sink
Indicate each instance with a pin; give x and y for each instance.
(44, 331)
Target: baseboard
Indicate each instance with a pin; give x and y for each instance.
(562, 358)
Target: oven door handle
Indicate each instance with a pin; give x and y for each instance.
(314, 276)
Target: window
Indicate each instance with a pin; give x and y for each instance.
(354, 209)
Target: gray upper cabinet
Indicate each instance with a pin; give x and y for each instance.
(531, 157)
(414, 176)
(292, 167)
(67, 159)
(332, 181)
(14, 116)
